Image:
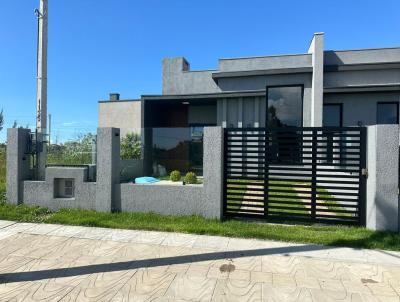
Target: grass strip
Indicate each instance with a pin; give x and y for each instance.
(326, 235)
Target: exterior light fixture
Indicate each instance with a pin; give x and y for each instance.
(185, 103)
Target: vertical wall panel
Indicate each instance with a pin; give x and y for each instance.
(249, 114)
(232, 112)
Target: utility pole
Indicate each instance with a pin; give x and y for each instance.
(41, 96)
(49, 140)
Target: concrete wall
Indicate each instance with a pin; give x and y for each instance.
(263, 63)
(107, 193)
(163, 199)
(204, 200)
(360, 107)
(362, 56)
(126, 115)
(317, 86)
(382, 208)
(353, 78)
(108, 170)
(178, 79)
(18, 163)
(42, 193)
(213, 160)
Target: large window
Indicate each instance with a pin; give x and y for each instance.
(387, 113)
(285, 109)
(285, 106)
(332, 115)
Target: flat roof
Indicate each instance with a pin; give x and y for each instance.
(222, 94)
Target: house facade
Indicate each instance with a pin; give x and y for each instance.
(316, 88)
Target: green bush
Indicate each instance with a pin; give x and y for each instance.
(131, 146)
(191, 178)
(175, 175)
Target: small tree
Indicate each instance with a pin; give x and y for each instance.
(131, 146)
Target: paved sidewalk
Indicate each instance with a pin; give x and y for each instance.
(42, 262)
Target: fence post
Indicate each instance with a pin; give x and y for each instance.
(108, 157)
(363, 176)
(267, 155)
(314, 146)
(382, 202)
(213, 160)
(225, 173)
(18, 163)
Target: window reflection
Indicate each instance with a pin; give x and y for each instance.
(178, 149)
(285, 106)
(285, 109)
(388, 113)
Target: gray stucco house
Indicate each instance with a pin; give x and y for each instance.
(315, 88)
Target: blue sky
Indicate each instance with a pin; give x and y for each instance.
(102, 46)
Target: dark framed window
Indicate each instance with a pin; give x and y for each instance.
(285, 109)
(284, 106)
(387, 113)
(332, 115)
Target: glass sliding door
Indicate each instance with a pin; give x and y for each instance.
(285, 109)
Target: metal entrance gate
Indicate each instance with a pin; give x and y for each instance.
(298, 173)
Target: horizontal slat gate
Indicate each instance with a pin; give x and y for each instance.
(311, 174)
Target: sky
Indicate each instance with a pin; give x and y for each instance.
(102, 46)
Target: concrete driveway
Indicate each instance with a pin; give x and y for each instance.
(40, 262)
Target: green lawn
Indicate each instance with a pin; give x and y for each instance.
(236, 191)
(327, 235)
(331, 204)
(285, 202)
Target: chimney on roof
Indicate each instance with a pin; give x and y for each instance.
(114, 97)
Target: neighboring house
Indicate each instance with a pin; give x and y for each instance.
(319, 87)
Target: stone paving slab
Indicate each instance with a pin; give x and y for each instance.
(5, 223)
(41, 262)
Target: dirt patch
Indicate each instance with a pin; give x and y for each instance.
(227, 268)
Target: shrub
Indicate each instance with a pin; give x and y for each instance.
(191, 178)
(175, 175)
(131, 146)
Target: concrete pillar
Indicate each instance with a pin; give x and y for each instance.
(18, 163)
(383, 177)
(108, 157)
(172, 69)
(317, 89)
(147, 151)
(213, 168)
